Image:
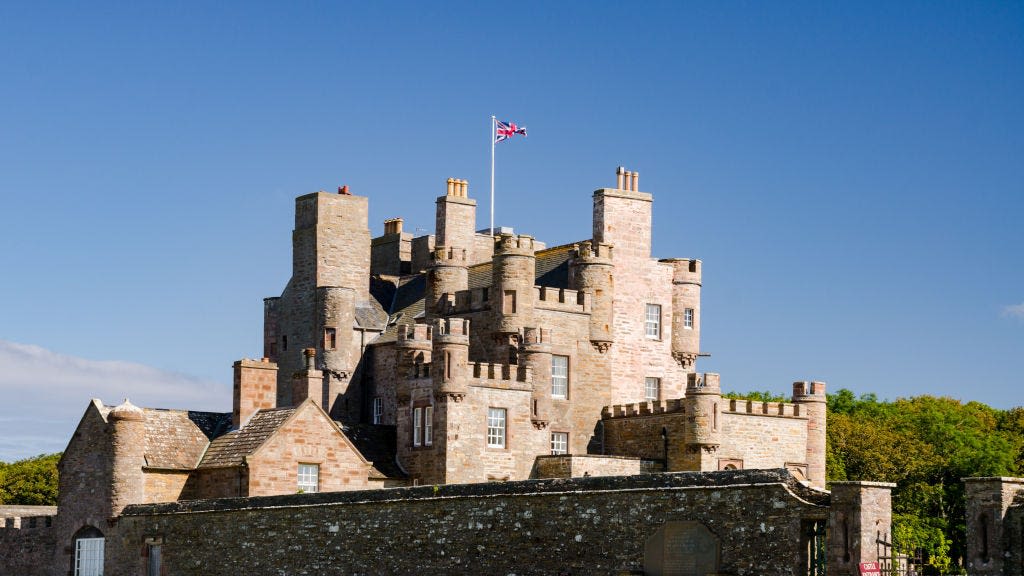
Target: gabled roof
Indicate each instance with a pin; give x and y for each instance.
(232, 448)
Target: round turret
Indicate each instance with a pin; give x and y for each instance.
(450, 356)
(590, 271)
(703, 396)
(448, 274)
(513, 277)
(128, 440)
(686, 285)
(810, 396)
(536, 357)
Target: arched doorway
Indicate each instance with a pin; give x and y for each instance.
(88, 546)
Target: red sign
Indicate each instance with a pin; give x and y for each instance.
(870, 569)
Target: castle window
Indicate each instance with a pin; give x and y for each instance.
(508, 304)
(153, 551)
(89, 552)
(330, 339)
(652, 321)
(559, 376)
(428, 425)
(652, 388)
(496, 427)
(417, 426)
(309, 477)
(284, 343)
(559, 442)
(688, 318)
(378, 410)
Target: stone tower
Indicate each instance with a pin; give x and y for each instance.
(448, 273)
(330, 272)
(810, 396)
(536, 354)
(128, 438)
(702, 431)
(686, 283)
(513, 274)
(591, 271)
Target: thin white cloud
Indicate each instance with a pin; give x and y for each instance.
(1014, 311)
(45, 394)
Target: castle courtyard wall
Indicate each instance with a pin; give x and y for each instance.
(580, 526)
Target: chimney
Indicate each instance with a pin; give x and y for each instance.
(309, 382)
(344, 190)
(393, 226)
(255, 389)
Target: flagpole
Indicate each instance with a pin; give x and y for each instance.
(493, 120)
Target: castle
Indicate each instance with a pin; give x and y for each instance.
(533, 390)
(461, 357)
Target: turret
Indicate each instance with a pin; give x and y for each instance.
(536, 356)
(686, 283)
(128, 438)
(810, 396)
(702, 434)
(450, 357)
(413, 347)
(448, 274)
(338, 351)
(514, 273)
(591, 271)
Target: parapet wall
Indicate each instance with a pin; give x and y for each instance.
(596, 525)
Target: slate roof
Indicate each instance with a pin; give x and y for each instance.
(378, 444)
(231, 448)
(176, 439)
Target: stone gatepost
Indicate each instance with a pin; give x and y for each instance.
(995, 526)
(859, 515)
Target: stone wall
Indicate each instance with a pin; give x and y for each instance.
(580, 526)
(995, 526)
(572, 466)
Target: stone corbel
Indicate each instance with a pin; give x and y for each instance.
(685, 359)
(601, 346)
(540, 424)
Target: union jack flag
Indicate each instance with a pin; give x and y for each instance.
(506, 130)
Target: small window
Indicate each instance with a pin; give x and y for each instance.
(284, 343)
(89, 555)
(688, 318)
(330, 339)
(428, 425)
(559, 442)
(652, 388)
(309, 477)
(508, 305)
(378, 410)
(559, 376)
(652, 321)
(417, 426)
(496, 427)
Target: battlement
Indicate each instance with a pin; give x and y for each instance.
(808, 391)
(445, 256)
(684, 270)
(514, 244)
(561, 299)
(458, 188)
(590, 252)
(415, 333)
(501, 375)
(643, 409)
(626, 180)
(755, 407)
(536, 336)
(706, 383)
(27, 522)
(452, 327)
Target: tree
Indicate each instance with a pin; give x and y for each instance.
(32, 481)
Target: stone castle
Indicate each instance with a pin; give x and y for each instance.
(540, 394)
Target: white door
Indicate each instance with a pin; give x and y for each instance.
(89, 557)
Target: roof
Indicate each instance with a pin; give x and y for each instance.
(176, 439)
(378, 444)
(406, 293)
(232, 448)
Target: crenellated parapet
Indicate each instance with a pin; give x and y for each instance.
(501, 375)
(651, 407)
(561, 300)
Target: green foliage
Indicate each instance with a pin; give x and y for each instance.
(32, 481)
(926, 445)
(763, 396)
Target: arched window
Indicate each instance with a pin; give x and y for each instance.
(88, 546)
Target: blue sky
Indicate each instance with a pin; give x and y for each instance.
(851, 174)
